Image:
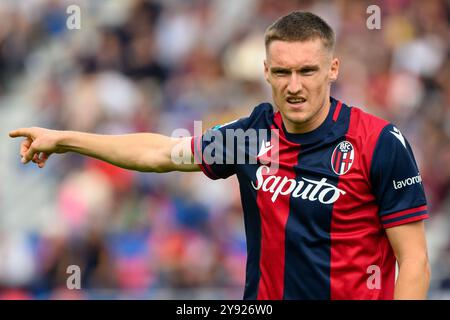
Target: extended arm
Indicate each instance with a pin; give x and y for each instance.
(146, 152)
(409, 245)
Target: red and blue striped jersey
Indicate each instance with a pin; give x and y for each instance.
(316, 205)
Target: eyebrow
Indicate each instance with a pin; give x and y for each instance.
(312, 67)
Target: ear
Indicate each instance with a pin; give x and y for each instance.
(266, 71)
(334, 70)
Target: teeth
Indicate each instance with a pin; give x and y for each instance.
(290, 100)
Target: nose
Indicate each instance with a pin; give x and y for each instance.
(294, 86)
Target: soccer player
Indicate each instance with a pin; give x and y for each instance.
(333, 197)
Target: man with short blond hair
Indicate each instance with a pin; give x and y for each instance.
(332, 196)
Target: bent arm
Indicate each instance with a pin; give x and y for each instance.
(409, 245)
(147, 152)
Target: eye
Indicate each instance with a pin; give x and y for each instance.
(281, 73)
(307, 72)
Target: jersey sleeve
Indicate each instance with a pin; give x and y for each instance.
(217, 150)
(396, 180)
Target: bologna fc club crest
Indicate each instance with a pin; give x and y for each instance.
(342, 158)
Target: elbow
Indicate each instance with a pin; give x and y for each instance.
(425, 268)
(158, 169)
(153, 164)
(145, 167)
(427, 271)
(418, 266)
(426, 276)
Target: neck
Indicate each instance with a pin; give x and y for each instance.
(311, 124)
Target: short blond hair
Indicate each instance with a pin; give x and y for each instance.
(300, 26)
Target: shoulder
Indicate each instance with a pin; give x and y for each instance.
(376, 130)
(365, 131)
(365, 124)
(261, 115)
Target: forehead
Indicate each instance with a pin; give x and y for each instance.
(292, 54)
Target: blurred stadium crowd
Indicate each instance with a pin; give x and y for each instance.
(154, 66)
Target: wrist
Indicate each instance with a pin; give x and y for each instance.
(63, 140)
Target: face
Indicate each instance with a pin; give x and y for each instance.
(300, 74)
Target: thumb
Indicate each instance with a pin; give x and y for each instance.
(29, 154)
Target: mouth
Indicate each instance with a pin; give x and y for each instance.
(295, 100)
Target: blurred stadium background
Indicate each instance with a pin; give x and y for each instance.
(138, 66)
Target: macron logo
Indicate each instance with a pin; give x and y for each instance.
(399, 136)
(265, 147)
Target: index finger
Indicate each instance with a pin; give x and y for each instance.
(22, 132)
